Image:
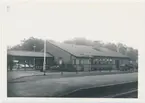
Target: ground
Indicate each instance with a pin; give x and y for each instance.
(44, 86)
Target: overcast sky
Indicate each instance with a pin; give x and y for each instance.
(109, 22)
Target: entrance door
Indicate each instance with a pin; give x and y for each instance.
(117, 64)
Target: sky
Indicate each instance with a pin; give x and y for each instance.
(107, 21)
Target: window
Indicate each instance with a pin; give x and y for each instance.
(80, 61)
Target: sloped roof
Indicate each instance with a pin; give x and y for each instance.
(27, 53)
(85, 51)
(110, 52)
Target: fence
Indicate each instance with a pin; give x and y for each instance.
(73, 68)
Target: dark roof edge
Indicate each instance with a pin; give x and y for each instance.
(113, 57)
(28, 51)
(24, 51)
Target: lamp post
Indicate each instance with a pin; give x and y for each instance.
(34, 57)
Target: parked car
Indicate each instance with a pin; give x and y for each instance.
(54, 67)
(126, 67)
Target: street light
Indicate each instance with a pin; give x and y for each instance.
(34, 57)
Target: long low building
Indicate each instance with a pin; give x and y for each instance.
(85, 58)
(28, 58)
(71, 56)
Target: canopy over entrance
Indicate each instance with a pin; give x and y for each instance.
(27, 59)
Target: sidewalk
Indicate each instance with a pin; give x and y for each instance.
(12, 75)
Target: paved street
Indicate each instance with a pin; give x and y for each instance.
(57, 86)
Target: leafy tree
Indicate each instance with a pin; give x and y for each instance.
(122, 48)
(111, 46)
(132, 53)
(29, 44)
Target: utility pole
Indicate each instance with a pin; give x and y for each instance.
(89, 62)
(44, 62)
(34, 57)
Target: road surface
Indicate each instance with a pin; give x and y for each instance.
(58, 86)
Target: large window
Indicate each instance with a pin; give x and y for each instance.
(102, 61)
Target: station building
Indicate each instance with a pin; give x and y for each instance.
(85, 58)
(77, 57)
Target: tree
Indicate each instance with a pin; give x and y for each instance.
(29, 43)
(111, 46)
(122, 48)
(132, 53)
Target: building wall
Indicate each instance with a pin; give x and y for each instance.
(81, 63)
(86, 64)
(58, 53)
(121, 61)
(111, 63)
(30, 60)
(67, 57)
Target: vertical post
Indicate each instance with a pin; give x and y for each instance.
(90, 63)
(77, 68)
(44, 63)
(25, 65)
(34, 62)
(34, 57)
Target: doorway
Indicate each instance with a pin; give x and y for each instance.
(117, 64)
